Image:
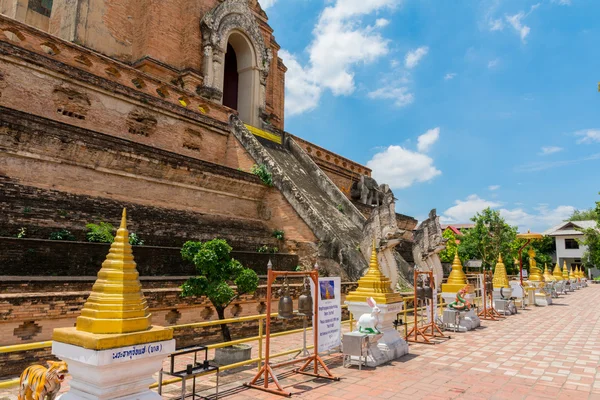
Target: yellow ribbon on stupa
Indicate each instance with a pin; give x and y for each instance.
(548, 277)
(374, 284)
(457, 278)
(565, 271)
(500, 277)
(557, 273)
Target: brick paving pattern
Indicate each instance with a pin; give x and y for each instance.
(541, 353)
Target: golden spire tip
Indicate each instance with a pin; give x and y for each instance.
(124, 219)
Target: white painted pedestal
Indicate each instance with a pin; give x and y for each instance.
(390, 345)
(467, 320)
(123, 373)
(504, 294)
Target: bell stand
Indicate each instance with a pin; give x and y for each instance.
(417, 332)
(266, 370)
(488, 313)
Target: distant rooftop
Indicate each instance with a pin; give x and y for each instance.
(458, 226)
(569, 228)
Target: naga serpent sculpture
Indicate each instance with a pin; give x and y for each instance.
(461, 304)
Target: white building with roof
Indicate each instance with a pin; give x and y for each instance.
(568, 248)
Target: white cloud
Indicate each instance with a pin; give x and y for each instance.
(382, 22)
(266, 3)
(562, 2)
(400, 95)
(449, 75)
(547, 150)
(496, 25)
(426, 140)
(413, 57)
(464, 210)
(302, 93)
(542, 166)
(493, 63)
(541, 219)
(401, 168)
(588, 136)
(494, 187)
(515, 22)
(341, 40)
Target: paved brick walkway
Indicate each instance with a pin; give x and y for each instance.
(541, 353)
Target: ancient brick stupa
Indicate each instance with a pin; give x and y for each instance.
(113, 341)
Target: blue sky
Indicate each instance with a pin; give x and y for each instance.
(458, 105)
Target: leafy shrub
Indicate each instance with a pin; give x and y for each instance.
(263, 249)
(100, 233)
(135, 240)
(262, 172)
(216, 270)
(22, 233)
(62, 234)
(278, 234)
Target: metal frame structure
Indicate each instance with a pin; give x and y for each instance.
(423, 331)
(266, 371)
(488, 313)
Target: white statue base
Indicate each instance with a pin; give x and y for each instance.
(543, 299)
(502, 302)
(467, 320)
(572, 285)
(389, 345)
(123, 373)
(518, 292)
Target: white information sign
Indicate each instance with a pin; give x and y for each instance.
(329, 317)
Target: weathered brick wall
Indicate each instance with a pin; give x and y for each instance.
(175, 197)
(37, 257)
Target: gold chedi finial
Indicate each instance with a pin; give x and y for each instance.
(557, 273)
(548, 277)
(457, 278)
(500, 278)
(579, 273)
(565, 271)
(374, 284)
(572, 274)
(116, 304)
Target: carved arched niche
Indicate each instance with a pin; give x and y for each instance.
(233, 22)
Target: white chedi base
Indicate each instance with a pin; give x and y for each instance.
(542, 297)
(467, 320)
(123, 373)
(390, 345)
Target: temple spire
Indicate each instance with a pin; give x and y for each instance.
(500, 277)
(374, 284)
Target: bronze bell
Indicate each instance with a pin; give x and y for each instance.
(420, 291)
(286, 304)
(305, 302)
(427, 290)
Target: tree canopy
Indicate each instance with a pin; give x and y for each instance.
(591, 239)
(590, 214)
(447, 255)
(490, 237)
(217, 270)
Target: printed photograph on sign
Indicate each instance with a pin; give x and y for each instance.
(327, 290)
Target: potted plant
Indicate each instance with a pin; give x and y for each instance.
(216, 272)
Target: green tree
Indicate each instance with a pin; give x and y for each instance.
(447, 255)
(584, 215)
(490, 237)
(544, 248)
(100, 233)
(217, 270)
(591, 239)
